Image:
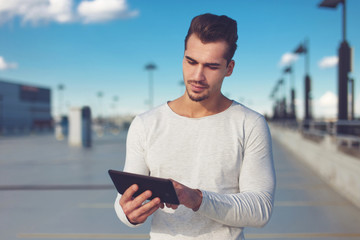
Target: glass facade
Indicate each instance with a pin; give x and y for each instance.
(34, 94)
(24, 108)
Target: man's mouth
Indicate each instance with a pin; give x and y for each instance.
(197, 86)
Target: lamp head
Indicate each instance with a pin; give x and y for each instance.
(330, 3)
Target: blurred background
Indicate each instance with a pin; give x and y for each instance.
(74, 73)
(95, 53)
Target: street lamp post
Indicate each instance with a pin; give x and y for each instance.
(304, 48)
(181, 84)
(282, 101)
(115, 106)
(151, 67)
(344, 67)
(61, 88)
(352, 99)
(277, 100)
(100, 95)
(292, 114)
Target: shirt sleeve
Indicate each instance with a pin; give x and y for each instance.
(252, 206)
(135, 161)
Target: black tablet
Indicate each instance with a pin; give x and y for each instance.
(160, 187)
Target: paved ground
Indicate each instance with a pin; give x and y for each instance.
(49, 190)
(305, 206)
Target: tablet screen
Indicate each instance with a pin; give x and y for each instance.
(160, 187)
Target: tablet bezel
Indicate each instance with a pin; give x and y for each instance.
(160, 187)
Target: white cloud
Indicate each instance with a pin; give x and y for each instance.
(104, 10)
(328, 99)
(288, 58)
(326, 105)
(328, 62)
(63, 11)
(5, 65)
(36, 11)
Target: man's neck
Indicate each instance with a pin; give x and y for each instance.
(186, 107)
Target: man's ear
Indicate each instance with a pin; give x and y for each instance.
(230, 68)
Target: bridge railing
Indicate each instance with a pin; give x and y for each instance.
(345, 133)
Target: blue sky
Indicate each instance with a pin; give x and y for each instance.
(103, 45)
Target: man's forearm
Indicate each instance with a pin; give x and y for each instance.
(238, 210)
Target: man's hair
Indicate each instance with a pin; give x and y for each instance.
(212, 28)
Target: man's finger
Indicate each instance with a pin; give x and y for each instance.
(152, 206)
(127, 196)
(142, 213)
(172, 206)
(142, 198)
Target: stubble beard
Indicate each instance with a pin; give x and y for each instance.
(195, 97)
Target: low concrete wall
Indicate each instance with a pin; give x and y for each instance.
(339, 170)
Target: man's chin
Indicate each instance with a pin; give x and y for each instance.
(198, 98)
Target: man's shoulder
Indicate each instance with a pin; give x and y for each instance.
(154, 114)
(247, 118)
(243, 111)
(148, 119)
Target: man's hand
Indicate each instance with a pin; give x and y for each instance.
(190, 198)
(135, 209)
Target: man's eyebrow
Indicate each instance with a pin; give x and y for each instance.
(212, 64)
(191, 59)
(207, 64)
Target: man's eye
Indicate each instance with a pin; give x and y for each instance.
(191, 62)
(213, 68)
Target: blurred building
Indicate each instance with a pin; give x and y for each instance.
(24, 108)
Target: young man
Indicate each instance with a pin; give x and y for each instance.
(216, 151)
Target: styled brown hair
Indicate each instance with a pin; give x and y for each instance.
(212, 28)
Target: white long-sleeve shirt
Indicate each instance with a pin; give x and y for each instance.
(228, 156)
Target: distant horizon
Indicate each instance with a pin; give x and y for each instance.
(127, 115)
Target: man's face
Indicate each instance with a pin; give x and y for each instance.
(204, 68)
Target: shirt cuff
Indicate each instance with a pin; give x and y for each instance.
(204, 201)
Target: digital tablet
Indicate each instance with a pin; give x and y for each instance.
(160, 187)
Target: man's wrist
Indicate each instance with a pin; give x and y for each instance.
(199, 200)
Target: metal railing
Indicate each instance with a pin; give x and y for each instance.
(345, 133)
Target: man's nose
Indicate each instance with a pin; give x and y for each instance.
(199, 73)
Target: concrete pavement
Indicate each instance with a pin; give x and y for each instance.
(49, 190)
